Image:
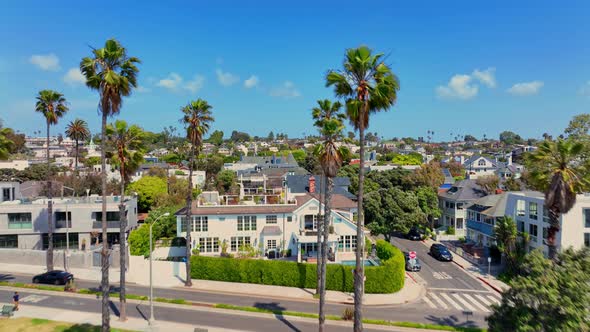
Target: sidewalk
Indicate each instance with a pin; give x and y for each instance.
(81, 317)
(93, 274)
(475, 271)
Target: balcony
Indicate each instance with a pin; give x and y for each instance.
(110, 224)
(481, 227)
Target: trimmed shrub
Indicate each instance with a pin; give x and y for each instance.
(385, 250)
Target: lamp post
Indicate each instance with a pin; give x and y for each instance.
(151, 280)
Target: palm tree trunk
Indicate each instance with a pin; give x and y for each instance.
(319, 243)
(189, 202)
(326, 234)
(360, 269)
(77, 155)
(122, 248)
(104, 282)
(552, 232)
(49, 210)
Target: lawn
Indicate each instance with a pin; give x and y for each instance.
(43, 325)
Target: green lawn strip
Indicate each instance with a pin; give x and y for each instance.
(274, 312)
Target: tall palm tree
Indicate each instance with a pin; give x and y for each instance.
(78, 131)
(53, 106)
(128, 142)
(560, 170)
(5, 143)
(112, 73)
(197, 119)
(368, 85)
(505, 233)
(329, 121)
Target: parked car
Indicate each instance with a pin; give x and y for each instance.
(412, 264)
(441, 252)
(414, 234)
(56, 277)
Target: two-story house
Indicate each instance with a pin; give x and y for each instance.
(478, 165)
(482, 216)
(454, 202)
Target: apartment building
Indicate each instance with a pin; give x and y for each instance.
(23, 222)
(290, 225)
(454, 203)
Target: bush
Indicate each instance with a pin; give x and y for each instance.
(451, 230)
(385, 250)
(348, 313)
(387, 278)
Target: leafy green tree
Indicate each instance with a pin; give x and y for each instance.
(112, 73)
(469, 138)
(6, 144)
(510, 138)
(196, 119)
(226, 179)
(148, 188)
(139, 241)
(393, 210)
(550, 295)
(505, 233)
(413, 158)
(429, 175)
(52, 105)
(428, 203)
(78, 131)
(560, 170)
(579, 127)
(488, 183)
(216, 137)
(238, 136)
(270, 137)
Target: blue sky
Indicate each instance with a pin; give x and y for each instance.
(465, 67)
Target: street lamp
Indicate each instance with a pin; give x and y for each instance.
(151, 282)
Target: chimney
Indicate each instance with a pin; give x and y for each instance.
(311, 184)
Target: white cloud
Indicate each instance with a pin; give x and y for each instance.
(486, 77)
(226, 79)
(74, 77)
(175, 82)
(251, 82)
(171, 82)
(286, 90)
(48, 62)
(459, 86)
(526, 88)
(196, 84)
(585, 89)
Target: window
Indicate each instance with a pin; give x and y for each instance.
(520, 208)
(271, 244)
(239, 241)
(481, 162)
(60, 219)
(246, 223)
(20, 221)
(5, 194)
(200, 224)
(111, 216)
(347, 243)
(533, 230)
(61, 240)
(520, 226)
(459, 223)
(587, 218)
(272, 219)
(533, 210)
(478, 216)
(587, 239)
(289, 218)
(459, 206)
(545, 232)
(8, 241)
(209, 244)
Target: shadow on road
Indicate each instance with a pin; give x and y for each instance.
(453, 320)
(278, 312)
(6, 277)
(114, 308)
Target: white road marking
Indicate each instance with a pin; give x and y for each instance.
(441, 275)
(494, 299)
(450, 300)
(474, 301)
(439, 301)
(33, 298)
(430, 304)
(463, 302)
(483, 299)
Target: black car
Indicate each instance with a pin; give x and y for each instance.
(414, 234)
(412, 264)
(441, 252)
(56, 277)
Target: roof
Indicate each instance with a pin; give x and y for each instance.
(271, 230)
(245, 209)
(473, 158)
(300, 184)
(465, 190)
(339, 202)
(491, 205)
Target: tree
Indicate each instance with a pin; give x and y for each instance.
(216, 138)
(510, 138)
(78, 131)
(270, 137)
(488, 183)
(547, 296)
(578, 127)
(393, 210)
(148, 189)
(428, 203)
(368, 85)
(226, 179)
(112, 73)
(128, 143)
(328, 120)
(560, 170)
(428, 175)
(413, 158)
(52, 105)
(238, 136)
(469, 138)
(6, 144)
(196, 119)
(505, 233)
(455, 168)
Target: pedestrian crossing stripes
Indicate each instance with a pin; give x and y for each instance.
(464, 301)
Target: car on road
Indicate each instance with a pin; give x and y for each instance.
(441, 252)
(412, 265)
(414, 234)
(56, 277)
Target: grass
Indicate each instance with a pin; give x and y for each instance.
(23, 324)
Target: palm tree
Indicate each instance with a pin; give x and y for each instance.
(559, 169)
(197, 119)
(53, 106)
(329, 122)
(113, 74)
(368, 86)
(78, 131)
(128, 142)
(505, 233)
(5, 143)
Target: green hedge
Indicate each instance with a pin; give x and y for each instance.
(386, 278)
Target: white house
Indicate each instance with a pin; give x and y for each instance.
(18, 165)
(477, 166)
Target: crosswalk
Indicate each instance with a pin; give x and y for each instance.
(461, 301)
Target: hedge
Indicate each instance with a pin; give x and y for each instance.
(386, 278)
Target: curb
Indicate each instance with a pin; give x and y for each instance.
(497, 289)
